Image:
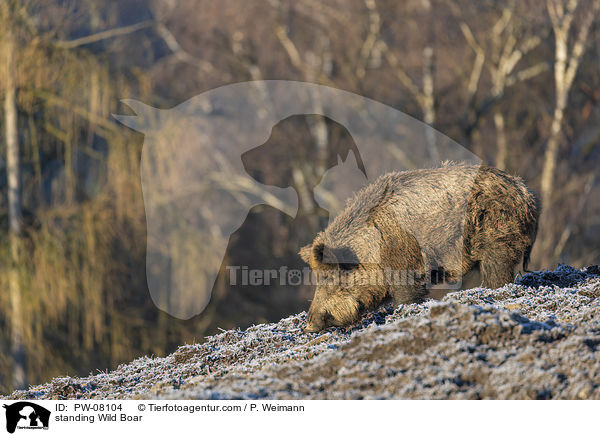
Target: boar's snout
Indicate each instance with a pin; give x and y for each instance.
(336, 310)
(314, 324)
(316, 320)
(311, 328)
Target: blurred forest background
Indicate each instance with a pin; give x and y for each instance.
(516, 82)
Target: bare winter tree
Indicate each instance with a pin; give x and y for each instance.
(508, 41)
(566, 63)
(507, 51)
(571, 19)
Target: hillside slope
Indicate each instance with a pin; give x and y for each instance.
(537, 338)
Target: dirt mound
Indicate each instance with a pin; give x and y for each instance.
(538, 338)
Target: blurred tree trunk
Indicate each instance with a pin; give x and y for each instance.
(502, 147)
(14, 210)
(505, 59)
(428, 99)
(429, 104)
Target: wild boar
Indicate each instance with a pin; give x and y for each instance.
(395, 231)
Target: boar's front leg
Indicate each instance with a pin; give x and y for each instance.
(401, 254)
(497, 272)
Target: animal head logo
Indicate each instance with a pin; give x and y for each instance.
(27, 415)
(197, 191)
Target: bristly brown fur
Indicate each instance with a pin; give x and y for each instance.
(458, 217)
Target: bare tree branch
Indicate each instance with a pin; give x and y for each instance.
(105, 34)
(162, 30)
(371, 39)
(477, 63)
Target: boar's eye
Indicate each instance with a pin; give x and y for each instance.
(346, 256)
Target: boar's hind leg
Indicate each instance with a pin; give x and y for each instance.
(496, 272)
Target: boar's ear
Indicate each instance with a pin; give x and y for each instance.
(313, 253)
(305, 253)
(317, 251)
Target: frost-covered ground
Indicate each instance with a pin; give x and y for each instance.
(539, 338)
